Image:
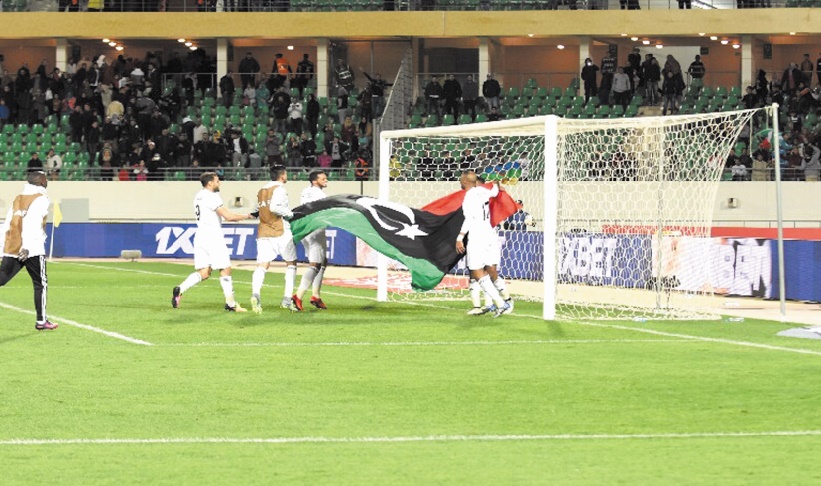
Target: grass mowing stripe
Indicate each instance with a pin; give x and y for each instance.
(431, 343)
(732, 342)
(161, 274)
(425, 438)
(61, 320)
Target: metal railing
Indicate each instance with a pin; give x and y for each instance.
(128, 174)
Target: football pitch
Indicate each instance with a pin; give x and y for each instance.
(131, 391)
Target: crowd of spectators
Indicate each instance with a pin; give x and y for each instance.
(136, 123)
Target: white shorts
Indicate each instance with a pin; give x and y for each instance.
(482, 252)
(268, 249)
(211, 252)
(316, 246)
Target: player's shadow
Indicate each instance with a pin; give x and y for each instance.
(516, 326)
(16, 338)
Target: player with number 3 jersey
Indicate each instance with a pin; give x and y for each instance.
(210, 250)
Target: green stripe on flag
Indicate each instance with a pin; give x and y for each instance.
(424, 274)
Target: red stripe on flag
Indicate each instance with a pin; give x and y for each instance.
(501, 207)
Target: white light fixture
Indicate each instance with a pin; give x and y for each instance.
(634, 39)
(560, 46)
(290, 48)
(106, 41)
(724, 42)
(624, 35)
(189, 44)
(659, 46)
(112, 43)
(193, 48)
(736, 46)
(530, 35)
(792, 33)
(646, 42)
(180, 40)
(119, 48)
(702, 34)
(713, 37)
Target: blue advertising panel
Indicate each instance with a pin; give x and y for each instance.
(802, 261)
(101, 240)
(584, 258)
(605, 259)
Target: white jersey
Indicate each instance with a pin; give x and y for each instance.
(476, 208)
(315, 243)
(209, 223)
(33, 234)
(312, 193)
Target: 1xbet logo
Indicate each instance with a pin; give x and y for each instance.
(173, 239)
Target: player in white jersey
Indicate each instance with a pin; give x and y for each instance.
(498, 281)
(483, 245)
(316, 246)
(274, 238)
(210, 250)
(24, 242)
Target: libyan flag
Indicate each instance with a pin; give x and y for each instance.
(422, 240)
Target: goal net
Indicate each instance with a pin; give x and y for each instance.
(616, 214)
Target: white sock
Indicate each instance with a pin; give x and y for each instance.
(317, 286)
(487, 286)
(190, 281)
(475, 293)
(488, 300)
(500, 285)
(227, 285)
(257, 279)
(290, 277)
(307, 280)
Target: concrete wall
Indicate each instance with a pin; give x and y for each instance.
(171, 201)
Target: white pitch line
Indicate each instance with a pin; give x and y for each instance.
(426, 343)
(703, 338)
(399, 439)
(61, 320)
(527, 316)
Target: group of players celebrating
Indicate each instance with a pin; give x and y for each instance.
(274, 239)
(23, 242)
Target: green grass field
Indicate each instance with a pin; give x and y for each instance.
(371, 393)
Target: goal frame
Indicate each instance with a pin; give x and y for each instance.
(520, 126)
(549, 128)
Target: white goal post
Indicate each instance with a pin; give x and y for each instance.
(620, 210)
